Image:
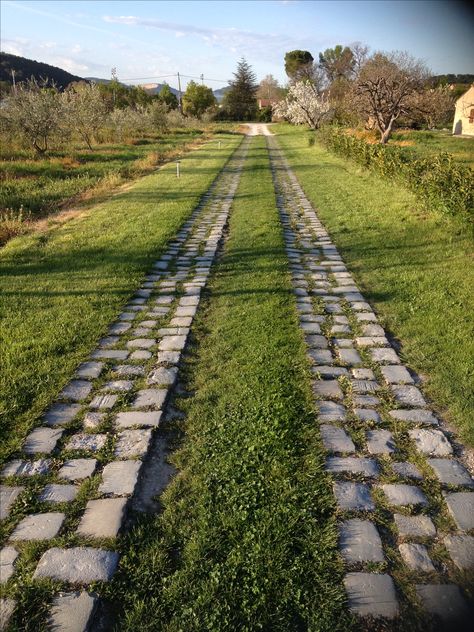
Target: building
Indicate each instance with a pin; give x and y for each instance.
(464, 115)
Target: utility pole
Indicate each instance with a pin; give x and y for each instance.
(202, 79)
(13, 81)
(180, 100)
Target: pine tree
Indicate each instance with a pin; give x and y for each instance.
(240, 101)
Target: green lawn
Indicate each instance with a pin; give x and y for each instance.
(61, 288)
(247, 539)
(436, 141)
(416, 268)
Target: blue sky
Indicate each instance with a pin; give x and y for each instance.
(151, 39)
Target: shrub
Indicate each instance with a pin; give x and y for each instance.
(438, 180)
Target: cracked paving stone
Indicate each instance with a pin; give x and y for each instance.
(414, 416)
(451, 472)
(89, 370)
(352, 465)
(371, 594)
(163, 376)
(401, 495)
(336, 439)
(432, 442)
(351, 495)
(102, 518)
(42, 440)
(461, 550)
(8, 496)
(61, 414)
(359, 541)
(407, 470)
(42, 526)
(414, 526)
(8, 556)
(119, 478)
(26, 468)
(55, 493)
(72, 612)
(150, 398)
(132, 443)
(330, 411)
(84, 441)
(327, 388)
(76, 390)
(77, 469)
(103, 402)
(396, 374)
(77, 565)
(409, 396)
(416, 557)
(444, 601)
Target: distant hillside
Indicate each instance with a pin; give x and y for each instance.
(220, 92)
(155, 88)
(26, 68)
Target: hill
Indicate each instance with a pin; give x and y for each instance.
(220, 92)
(155, 88)
(24, 68)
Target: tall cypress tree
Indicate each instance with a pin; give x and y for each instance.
(240, 101)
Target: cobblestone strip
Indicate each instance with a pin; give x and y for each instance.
(405, 503)
(80, 467)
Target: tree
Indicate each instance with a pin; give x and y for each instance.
(197, 99)
(299, 64)
(385, 89)
(433, 107)
(85, 110)
(168, 98)
(303, 105)
(337, 63)
(269, 89)
(240, 101)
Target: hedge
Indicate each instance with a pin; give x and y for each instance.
(439, 181)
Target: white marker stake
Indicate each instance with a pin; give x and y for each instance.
(177, 169)
(219, 144)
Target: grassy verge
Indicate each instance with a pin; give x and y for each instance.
(426, 143)
(415, 268)
(247, 538)
(61, 288)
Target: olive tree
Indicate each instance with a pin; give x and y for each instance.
(85, 110)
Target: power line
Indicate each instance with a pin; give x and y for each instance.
(201, 78)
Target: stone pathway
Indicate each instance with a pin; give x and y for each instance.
(81, 466)
(405, 503)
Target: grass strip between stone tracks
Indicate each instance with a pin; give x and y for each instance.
(60, 289)
(247, 538)
(415, 268)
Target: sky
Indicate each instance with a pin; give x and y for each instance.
(151, 41)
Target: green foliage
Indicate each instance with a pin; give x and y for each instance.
(438, 180)
(168, 98)
(240, 103)
(197, 99)
(297, 62)
(265, 114)
(337, 62)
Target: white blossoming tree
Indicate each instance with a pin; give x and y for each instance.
(303, 105)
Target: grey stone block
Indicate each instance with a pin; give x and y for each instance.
(396, 374)
(141, 343)
(371, 341)
(316, 342)
(432, 442)
(310, 328)
(416, 557)
(150, 398)
(130, 370)
(336, 439)
(320, 356)
(414, 416)
(172, 343)
(365, 414)
(360, 542)
(93, 420)
(371, 594)
(365, 400)
(401, 495)
(76, 390)
(103, 402)
(451, 472)
(110, 354)
(119, 328)
(27, 468)
(329, 371)
(7, 607)
(327, 388)
(186, 301)
(407, 470)
(414, 526)
(352, 465)
(380, 442)
(89, 370)
(72, 612)
(77, 469)
(108, 341)
(384, 356)
(42, 440)
(349, 356)
(120, 477)
(365, 386)
(330, 411)
(142, 419)
(8, 556)
(353, 496)
(43, 526)
(169, 357)
(77, 565)
(84, 441)
(102, 518)
(61, 414)
(363, 374)
(461, 550)
(408, 396)
(444, 601)
(372, 330)
(132, 443)
(141, 354)
(54, 493)
(163, 376)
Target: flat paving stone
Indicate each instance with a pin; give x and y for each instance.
(408, 396)
(110, 354)
(363, 374)
(444, 601)
(336, 439)
(327, 388)
(55, 493)
(329, 371)
(8, 556)
(371, 341)
(451, 472)
(61, 414)
(432, 442)
(359, 541)
(365, 386)
(330, 411)
(141, 343)
(416, 557)
(396, 374)
(105, 401)
(461, 550)
(407, 470)
(7, 607)
(72, 612)
(119, 328)
(366, 414)
(118, 386)
(310, 328)
(88, 442)
(365, 400)
(414, 416)
(186, 301)
(90, 370)
(352, 465)
(349, 356)
(187, 311)
(320, 356)
(93, 420)
(76, 390)
(77, 565)
(150, 398)
(172, 343)
(42, 440)
(163, 376)
(77, 469)
(141, 354)
(385, 356)
(401, 495)
(414, 526)
(26, 468)
(132, 443)
(42, 526)
(355, 496)
(102, 518)
(130, 370)
(372, 330)
(316, 341)
(120, 477)
(142, 419)
(371, 594)
(380, 442)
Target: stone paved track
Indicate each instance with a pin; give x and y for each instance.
(405, 505)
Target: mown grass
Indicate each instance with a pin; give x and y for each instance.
(62, 287)
(416, 268)
(426, 143)
(247, 538)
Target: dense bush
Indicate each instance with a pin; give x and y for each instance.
(438, 180)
